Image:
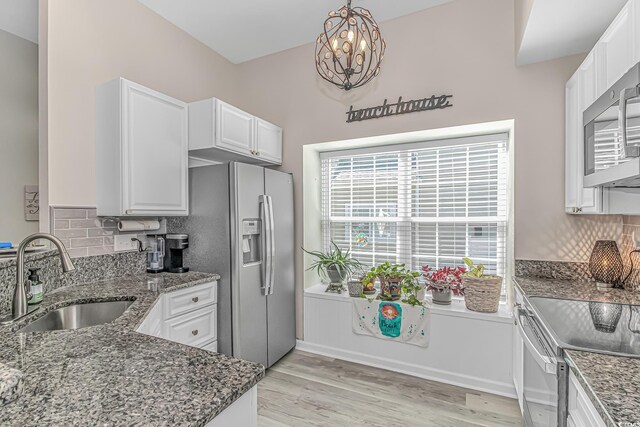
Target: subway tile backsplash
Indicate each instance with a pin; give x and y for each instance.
(83, 233)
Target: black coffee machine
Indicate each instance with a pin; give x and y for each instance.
(175, 245)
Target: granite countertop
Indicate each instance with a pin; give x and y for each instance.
(110, 374)
(611, 382)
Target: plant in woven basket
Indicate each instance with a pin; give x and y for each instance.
(482, 291)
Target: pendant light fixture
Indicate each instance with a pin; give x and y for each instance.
(350, 49)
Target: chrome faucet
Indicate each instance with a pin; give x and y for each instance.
(23, 288)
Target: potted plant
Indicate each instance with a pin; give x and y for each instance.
(482, 291)
(334, 265)
(368, 281)
(398, 282)
(390, 276)
(444, 282)
(412, 290)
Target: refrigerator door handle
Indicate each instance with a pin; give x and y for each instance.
(272, 246)
(265, 268)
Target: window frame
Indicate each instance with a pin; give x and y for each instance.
(405, 220)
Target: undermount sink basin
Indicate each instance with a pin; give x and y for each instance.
(78, 316)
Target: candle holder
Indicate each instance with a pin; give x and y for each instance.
(605, 264)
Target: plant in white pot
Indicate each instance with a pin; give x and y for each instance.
(335, 266)
(443, 283)
(482, 291)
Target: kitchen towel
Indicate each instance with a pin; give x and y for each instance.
(392, 321)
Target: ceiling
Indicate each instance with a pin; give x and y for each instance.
(558, 28)
(244, 30)
(20, 17)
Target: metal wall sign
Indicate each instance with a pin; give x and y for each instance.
(434, 102)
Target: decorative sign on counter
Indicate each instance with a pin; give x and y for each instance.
(31, 203)
(401, 107)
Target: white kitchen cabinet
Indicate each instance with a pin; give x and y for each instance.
(221, 132)
(616, 49)
(188, 316)
(234, 129)
(268, 141)
(581, 412)
(578, 199)
(613, 55)
(141, 152)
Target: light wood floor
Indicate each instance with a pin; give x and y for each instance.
(304, 389)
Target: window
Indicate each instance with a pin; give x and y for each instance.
(422, 203)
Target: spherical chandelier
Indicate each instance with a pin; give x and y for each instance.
(350, 49)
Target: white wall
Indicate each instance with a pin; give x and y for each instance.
(464, 48)
(93, 41)
(18, 133)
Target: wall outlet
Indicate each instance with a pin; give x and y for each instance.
(123, 242)
(636, 242)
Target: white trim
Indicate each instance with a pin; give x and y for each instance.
(417, 144)
(452, 378)
(456, 309)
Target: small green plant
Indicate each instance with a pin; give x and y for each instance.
(406, 279)
(334, 259)
(474, 270)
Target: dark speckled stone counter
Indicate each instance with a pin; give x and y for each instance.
(612, 383)
(112, 375)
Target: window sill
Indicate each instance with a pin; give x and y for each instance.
(456, 309)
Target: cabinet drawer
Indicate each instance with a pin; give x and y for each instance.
(186, 300)
(581, 410)
(195, 328)
(212, 346)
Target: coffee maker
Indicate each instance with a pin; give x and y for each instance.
(176, 244)
(155, 254)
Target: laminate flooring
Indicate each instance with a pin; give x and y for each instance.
(305, 389)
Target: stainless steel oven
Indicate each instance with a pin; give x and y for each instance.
(545, 374)
(612, 135)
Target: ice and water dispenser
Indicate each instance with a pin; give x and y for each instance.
(251, 241)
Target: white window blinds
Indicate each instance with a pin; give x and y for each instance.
(423, 203)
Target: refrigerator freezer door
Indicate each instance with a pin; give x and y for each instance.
(249, 304)
(281, 314)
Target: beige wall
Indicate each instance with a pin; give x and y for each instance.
(18, 133)
(464, 48)
(93, 41)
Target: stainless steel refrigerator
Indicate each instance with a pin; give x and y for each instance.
(240, 226)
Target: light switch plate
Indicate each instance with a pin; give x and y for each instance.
(123, 242)
(635, 238)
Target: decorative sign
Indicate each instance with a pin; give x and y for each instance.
(390, 319)
(401, 107)
(31, 203)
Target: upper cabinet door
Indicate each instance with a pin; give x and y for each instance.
(578, 199)
(268, 141)
(141, 152)
(155, 151)
(616, 49)
(234, 129)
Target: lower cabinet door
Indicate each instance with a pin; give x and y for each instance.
(195, 328)
(212, 346)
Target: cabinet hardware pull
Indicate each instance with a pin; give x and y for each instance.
(195, 299)
(257, 153)
(194, 332)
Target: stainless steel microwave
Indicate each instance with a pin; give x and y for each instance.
(612, 135)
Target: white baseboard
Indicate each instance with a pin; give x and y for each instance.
(453, 378)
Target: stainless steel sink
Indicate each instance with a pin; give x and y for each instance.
(78, 316)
